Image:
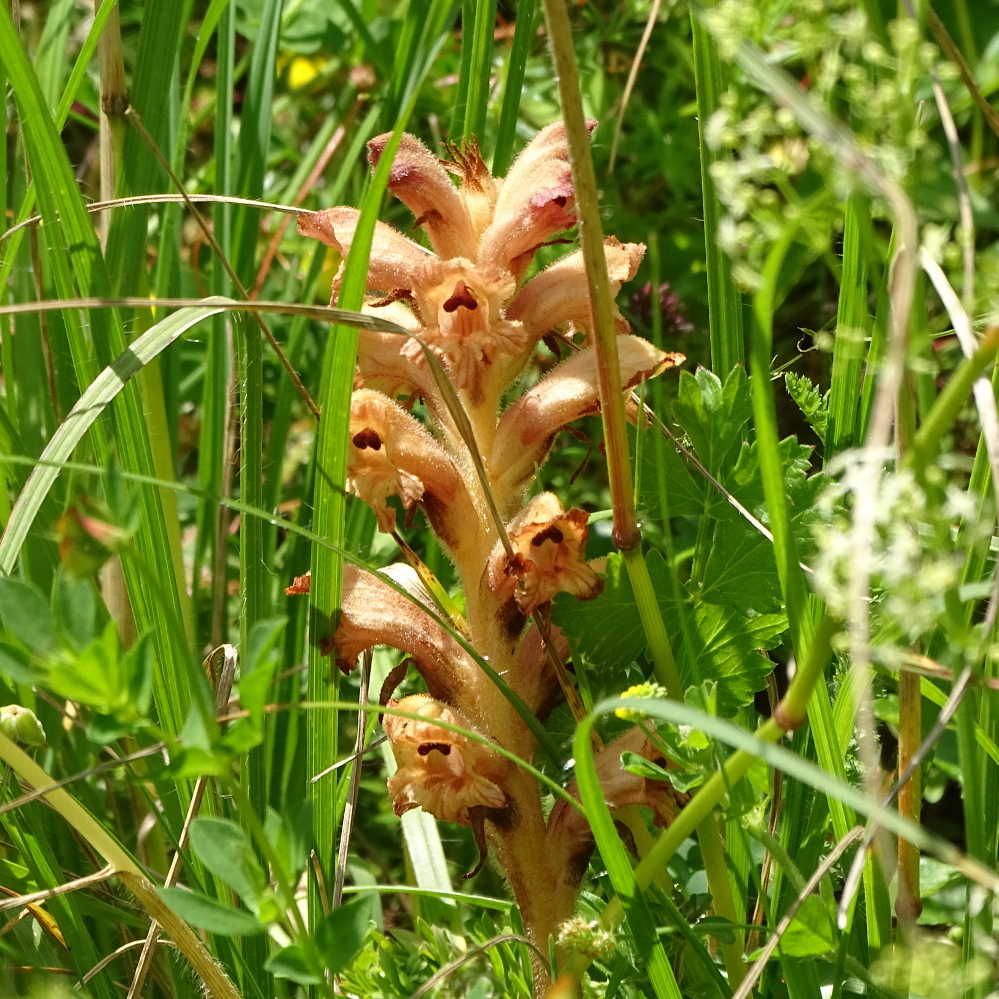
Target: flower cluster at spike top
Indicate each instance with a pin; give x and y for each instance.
(467, 304)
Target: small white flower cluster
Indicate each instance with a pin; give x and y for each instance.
(832, 48)
(921, 544)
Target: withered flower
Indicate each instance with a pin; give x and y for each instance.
(548, 548)
(442, 772)
(392, 455)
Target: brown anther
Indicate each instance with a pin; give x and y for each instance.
(431, 215)
(428, 747)
(461, 297)
(367, 438)
(548, 534)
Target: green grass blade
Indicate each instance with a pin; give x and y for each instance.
(622, 875)
(523, 35)
(724, 301)
(851, 329)
(255, 125)
(480, 70)
(77, 266)
(98, 395)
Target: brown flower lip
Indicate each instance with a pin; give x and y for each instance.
(445, 773)
(548, 545)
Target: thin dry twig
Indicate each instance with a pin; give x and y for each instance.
(108, 958)
(630, 84)
(35, 897)
(354, 786)
(161, 199)
(453, 966)
(93, 771)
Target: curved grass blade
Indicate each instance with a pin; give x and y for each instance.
(91, 404)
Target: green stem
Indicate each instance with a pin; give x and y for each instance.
(626, 532)
(652, 622)
(949, 402)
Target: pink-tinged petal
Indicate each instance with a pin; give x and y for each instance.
(548, 556)
(462, 304)
(560, 294)
(568, 830)
(373, 613)
(442, 772)
(394, 258)
(549, 144)
(570, 391)
(418, 179)
(535, 201)
(533, 676)
(381, 363)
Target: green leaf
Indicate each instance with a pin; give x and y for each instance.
(607, 629)
(726, 651)
(74, 602)
(25, 614)
(257, 667)
(608, 632)
(223, 848)
(714, 415)
(96, 676)
(291, 836)
(15, 664)
(813, 404)
(292, 964)
(138, 666)
(207, 914)
(641, 767)
(721, 929)
(690, 494)
(341, 933)
(811, 932)
(741, 571)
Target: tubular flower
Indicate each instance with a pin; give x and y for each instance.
(526, 430)
(548, 545)
(392, 455)
(560, 296)
(442, 772)
(373, 613)
(463, 298)
(621, 788)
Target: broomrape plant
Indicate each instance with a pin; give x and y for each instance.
(467, 302)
